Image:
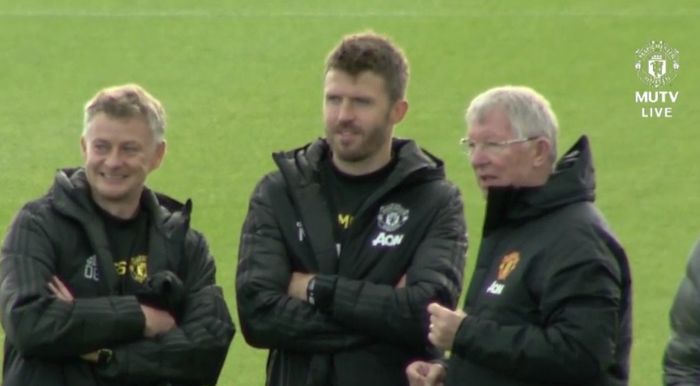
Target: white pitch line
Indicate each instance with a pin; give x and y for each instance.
(337, 14)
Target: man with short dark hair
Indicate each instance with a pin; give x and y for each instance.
(345, 245)
(103, 282)
(549, 302)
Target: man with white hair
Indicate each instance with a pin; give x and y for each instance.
(549, 301)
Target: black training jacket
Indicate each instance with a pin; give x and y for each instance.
(681, 364)
(60, 234)
(413, 224)
(549, 302)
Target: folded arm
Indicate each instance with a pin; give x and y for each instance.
(39, 324)
(195, 350)
(269, 317)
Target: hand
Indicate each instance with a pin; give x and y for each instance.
(157, 321)
(91, 357)
(298, 284)
(402, 282)
(60, 290)
(443, 325)
(420, 373)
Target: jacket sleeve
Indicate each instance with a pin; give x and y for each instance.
(36, 322)
(269, 318)
(575, 340)
(194, 351)
(399, 315)
(681, 364)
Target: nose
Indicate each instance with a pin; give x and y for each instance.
(346, 112)
(113, 159)
(478, 157)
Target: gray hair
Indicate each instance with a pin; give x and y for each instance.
(529, 113)
(127, 101)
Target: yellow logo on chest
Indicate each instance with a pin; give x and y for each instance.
(137, 267)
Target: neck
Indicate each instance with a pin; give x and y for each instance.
(122, 210)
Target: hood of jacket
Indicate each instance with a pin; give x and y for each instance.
(301, 166)
(573, 180)
(70, 195)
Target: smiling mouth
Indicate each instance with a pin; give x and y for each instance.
(113, 176)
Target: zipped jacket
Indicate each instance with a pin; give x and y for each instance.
(549, 302)
(61, 234)
(412, 225)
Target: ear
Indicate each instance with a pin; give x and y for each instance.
(83, 147)
(161, 148)
(542, 150)
(398, 111)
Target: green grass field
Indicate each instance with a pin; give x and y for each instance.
(243, 79)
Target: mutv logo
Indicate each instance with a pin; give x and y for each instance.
(650, 97)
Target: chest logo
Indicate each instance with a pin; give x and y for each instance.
(387, 240)
(138, 268)
(391, 217)
(300, 231)
(508, 264)
(90, 271)
(344, 220)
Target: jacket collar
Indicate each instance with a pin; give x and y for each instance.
(300, 169)
(573, 180)
(305, 161)
(70, 195)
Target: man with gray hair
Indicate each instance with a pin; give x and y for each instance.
(549, 301)
(103, 282)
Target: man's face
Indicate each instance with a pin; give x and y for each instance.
(119, 154)
(495, 162)
(359, 117)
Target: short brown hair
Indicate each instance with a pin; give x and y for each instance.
(372, 52)
(127, 101)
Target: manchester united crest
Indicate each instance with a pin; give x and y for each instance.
(508, 264)
(138, 268)
(391, 217)
(657, 64)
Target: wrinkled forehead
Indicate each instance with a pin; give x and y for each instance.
(106, 126)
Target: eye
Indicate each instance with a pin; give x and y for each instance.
(100, 147)
(131, 149)
(332, 99)
(362, 101)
